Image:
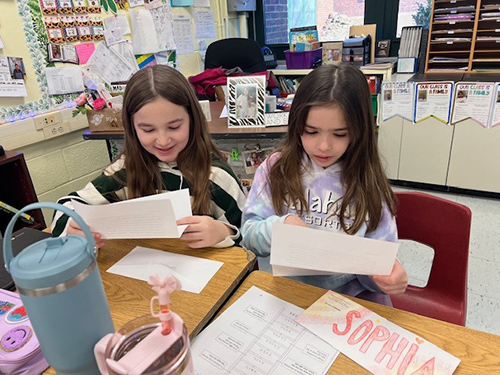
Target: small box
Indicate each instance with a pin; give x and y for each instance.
(302, 60)
(357, 50)
(107, 119)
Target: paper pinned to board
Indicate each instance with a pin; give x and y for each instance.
(299, 251)
(144, 37)
(154, 216)
(64, 80)
(109, 65)
(193, 273)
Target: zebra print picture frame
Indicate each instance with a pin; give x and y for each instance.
(246, 101)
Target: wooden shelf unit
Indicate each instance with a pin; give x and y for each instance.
(17, 190)
(473, 42)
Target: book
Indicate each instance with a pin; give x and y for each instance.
(62, 53)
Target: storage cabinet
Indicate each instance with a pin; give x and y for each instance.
(16, 190)
(464, 36)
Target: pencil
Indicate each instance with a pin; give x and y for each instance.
(25, 217)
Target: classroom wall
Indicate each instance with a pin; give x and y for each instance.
(65, 162)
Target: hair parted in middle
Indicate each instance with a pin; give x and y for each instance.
(194, 161)
(366, 187)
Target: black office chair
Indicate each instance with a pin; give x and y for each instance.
(235, 52)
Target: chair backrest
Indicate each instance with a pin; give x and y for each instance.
(232, 52)
(444, 226)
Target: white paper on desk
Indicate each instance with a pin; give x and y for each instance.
(144, 37)
(258, 335)
(223, 114)
(142, 262)
(131, 219)
(387, 349)
(64, 80)
(307, 251)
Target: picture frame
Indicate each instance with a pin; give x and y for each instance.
(246, 101)
(383, 48)
(332, 53)
(253, 158)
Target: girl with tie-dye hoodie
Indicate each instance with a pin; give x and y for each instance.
(328, 176)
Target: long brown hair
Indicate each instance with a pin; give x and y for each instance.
(194, 162)
(365, 185)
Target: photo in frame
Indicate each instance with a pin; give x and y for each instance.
(246, 101)
(332, 53)
(383, 48)
(254, 158)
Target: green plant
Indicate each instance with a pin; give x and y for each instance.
(423, 14)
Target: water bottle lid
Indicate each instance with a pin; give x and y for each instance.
(50, 262)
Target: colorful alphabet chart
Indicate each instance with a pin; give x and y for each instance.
(373, 342)
(433, 99)
(258, 335)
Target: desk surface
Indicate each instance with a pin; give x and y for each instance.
(218, 129)
(478, 351)
(129, 298)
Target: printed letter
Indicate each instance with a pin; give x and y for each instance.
(393, 353)
(379, 333)
(348, 323)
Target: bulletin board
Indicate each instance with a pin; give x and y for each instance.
(26, 17)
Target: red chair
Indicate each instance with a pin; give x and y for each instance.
(444, 226)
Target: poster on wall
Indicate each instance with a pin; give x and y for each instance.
(331, 24)
(433, 99)
(397, 100)
(12, 76)
(473, 100)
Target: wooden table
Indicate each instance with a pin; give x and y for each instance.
(478, 351)
(218, 129)
(129, 298)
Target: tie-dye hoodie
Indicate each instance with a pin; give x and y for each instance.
(323, 190)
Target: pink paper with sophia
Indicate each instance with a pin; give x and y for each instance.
(373, 342)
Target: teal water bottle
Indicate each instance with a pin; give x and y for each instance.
(59, 283)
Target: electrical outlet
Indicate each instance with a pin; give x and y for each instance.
(56, 130)
(47, 120)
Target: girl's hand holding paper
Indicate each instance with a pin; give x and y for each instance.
(203, 231)
(395, 283)
(74, 228)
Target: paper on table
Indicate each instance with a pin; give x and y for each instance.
(381, 347)
(306, 251)
(223, 114)
(153, 216)
(193, 273)
(64, 80)
(258, 335)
